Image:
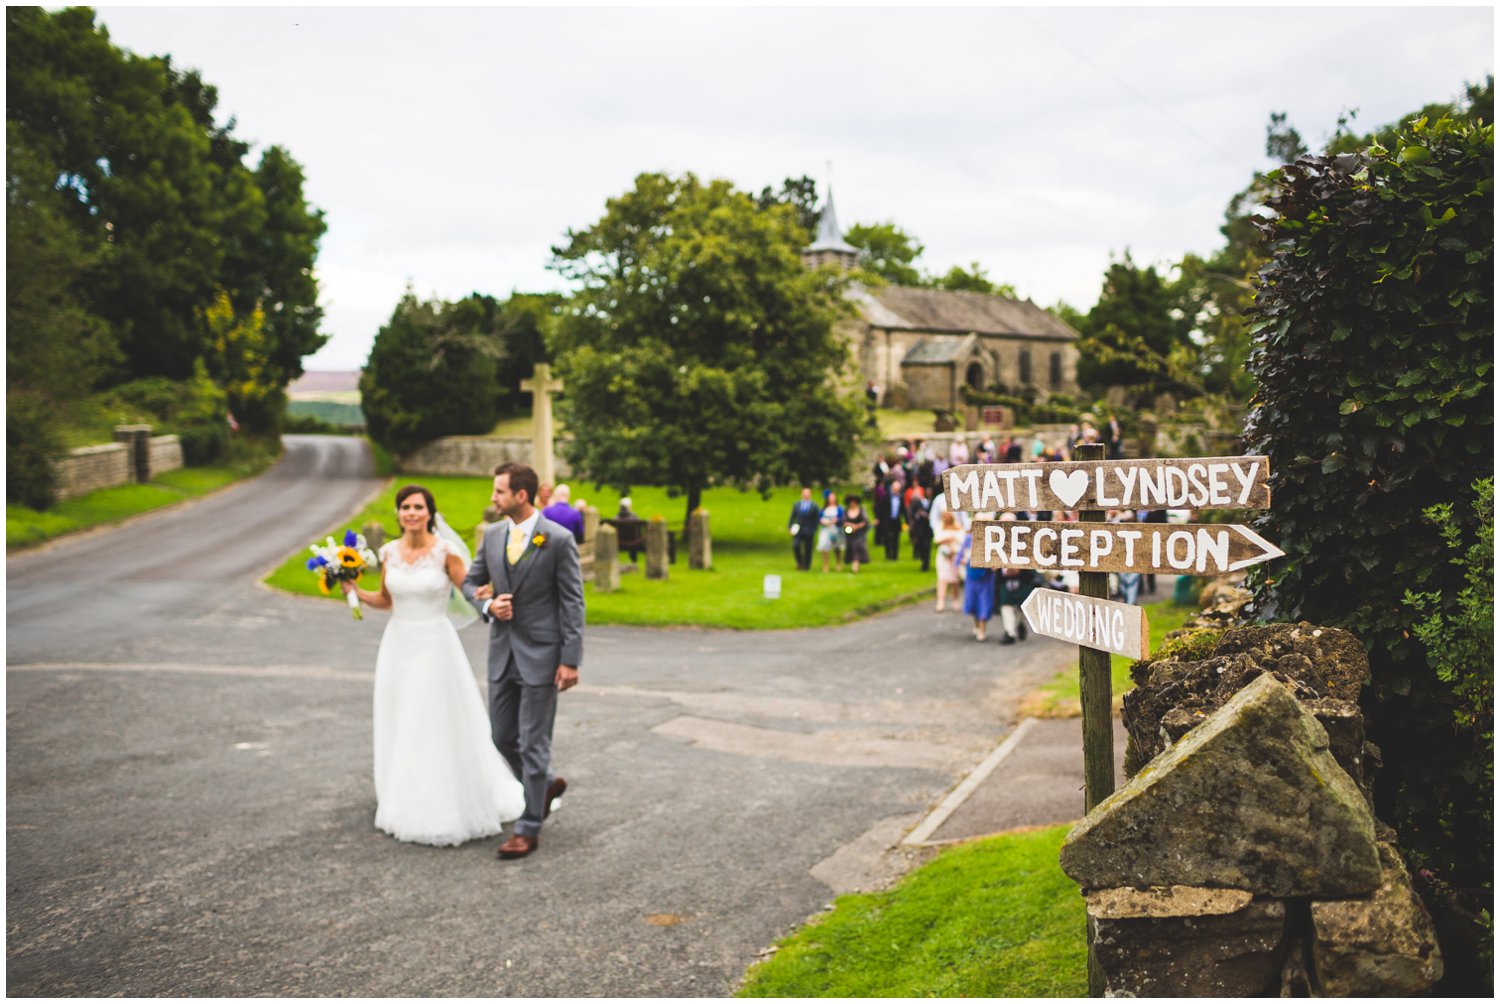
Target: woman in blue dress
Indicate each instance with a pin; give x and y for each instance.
(979, 590)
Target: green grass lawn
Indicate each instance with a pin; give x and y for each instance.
(25, 527)
(749, 542)
(991, 918)
(1059, 697)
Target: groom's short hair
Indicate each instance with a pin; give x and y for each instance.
(520, 478)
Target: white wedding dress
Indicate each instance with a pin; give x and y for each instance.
(438, 777)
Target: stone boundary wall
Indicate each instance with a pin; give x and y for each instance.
(90, 468)
(166, 454)
(471, 456)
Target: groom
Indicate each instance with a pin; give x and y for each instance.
(536, 638)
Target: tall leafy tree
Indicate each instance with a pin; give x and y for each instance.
(1136, 334)
(889, 252)
(145, 173)
(431, 372)
(698, 350)
(524, 323)
(799, 193)
(55, 345)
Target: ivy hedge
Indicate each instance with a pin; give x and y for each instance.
(1373, 351)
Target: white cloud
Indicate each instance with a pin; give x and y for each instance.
(453, 147)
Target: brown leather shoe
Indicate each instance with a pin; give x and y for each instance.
(554, 792)
(517, 846)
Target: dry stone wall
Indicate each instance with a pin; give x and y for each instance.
(1242, 856)
(472, 456)
(166, 454)
(90, 468)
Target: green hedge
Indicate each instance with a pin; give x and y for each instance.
(1373, 352)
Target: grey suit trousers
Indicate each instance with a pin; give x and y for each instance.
(521, 717)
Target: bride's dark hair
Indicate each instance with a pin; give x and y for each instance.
(410, 490)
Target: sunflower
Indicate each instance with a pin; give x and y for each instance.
(350, 559)
(539, 540)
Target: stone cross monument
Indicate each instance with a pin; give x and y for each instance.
(542, 387)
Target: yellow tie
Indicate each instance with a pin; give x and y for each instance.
(516, 545)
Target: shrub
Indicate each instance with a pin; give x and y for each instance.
(1373, 329)
(31, 441)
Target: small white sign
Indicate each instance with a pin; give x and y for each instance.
(773, 587)
(1084, 620)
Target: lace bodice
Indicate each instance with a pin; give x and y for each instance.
(419, 589)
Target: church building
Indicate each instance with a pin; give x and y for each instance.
(921, 345)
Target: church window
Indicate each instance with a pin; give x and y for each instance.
(1055, 369)
(1025, 366)
(975, 376)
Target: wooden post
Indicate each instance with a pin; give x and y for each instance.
(1095, 697)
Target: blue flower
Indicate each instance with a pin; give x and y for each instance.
(350, 537)
(313, 564)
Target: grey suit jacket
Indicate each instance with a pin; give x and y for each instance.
(546, 586)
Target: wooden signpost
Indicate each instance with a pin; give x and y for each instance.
(1172, 549)
(1203, 483)
(1118, 628)
(1094, 548)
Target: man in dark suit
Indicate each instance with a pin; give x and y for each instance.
(534, 606)
(918, 518)
(889, 514)
(803, 526)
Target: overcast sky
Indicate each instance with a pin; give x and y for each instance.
(452, 148)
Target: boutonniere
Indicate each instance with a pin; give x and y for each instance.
(539, 541)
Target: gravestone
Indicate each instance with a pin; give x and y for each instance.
(656, 548)
(542, 387)
(587, 553)
(374, 533)
(606, 559)
(700, 546)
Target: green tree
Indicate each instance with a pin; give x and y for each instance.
(145, 172)
(431, 372)
(54, 344)
(525, 324)
(699, 351)
(974, 279)
(1136, 335)
(802, 195)
(888, 252)
(1374, 356)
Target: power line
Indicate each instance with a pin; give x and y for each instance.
(1128, 86)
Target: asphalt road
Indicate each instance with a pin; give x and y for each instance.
(190, 808)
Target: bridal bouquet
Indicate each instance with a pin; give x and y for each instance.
(333, 563)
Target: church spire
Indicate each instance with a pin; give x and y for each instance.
(829, 245)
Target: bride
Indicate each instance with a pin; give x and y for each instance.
(438, 777)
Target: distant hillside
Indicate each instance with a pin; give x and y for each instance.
(317, 383)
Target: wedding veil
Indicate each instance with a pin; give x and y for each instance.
(460, 611)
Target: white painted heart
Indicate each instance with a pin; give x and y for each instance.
(1069, 487)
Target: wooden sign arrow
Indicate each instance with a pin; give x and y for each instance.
(1181, 549)
(1093, 623)
(1202, 483)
